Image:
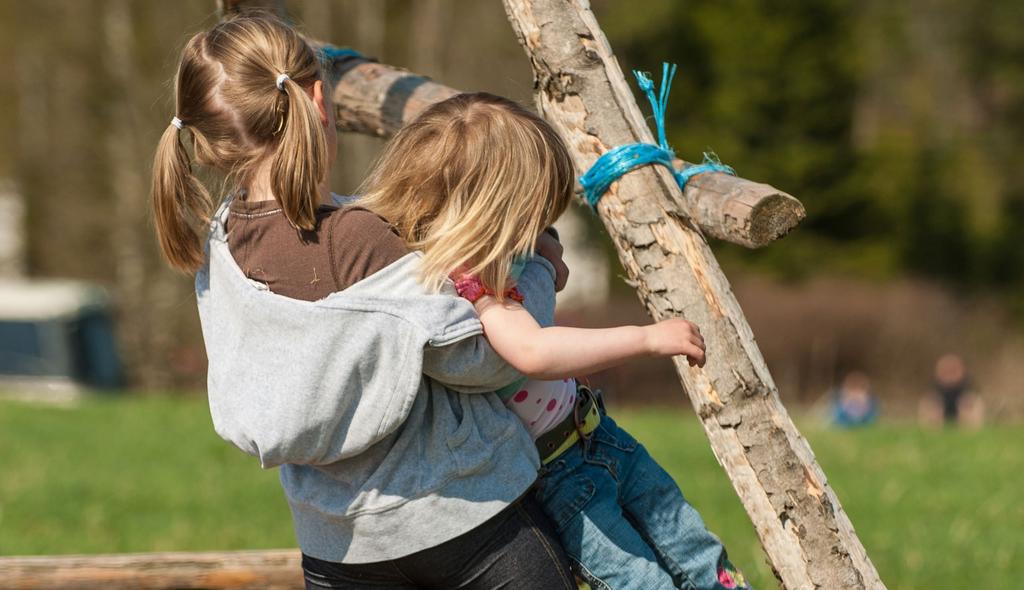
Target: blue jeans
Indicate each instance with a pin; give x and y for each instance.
(623, 521)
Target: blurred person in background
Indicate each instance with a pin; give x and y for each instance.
(952, 401)
(853, 403)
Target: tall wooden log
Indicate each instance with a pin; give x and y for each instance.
(581, 90)
(228, 570)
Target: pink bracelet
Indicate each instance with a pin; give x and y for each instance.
(472, 288)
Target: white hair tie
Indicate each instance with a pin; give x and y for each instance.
(280, 81)
(177, 123)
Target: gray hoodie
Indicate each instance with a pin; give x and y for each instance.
(376, 401)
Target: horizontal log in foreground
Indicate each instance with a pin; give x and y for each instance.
(227, 570)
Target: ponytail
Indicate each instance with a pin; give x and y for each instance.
(180, 203)
(239, 123)
(299, 161)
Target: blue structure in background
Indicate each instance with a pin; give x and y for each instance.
(56, 339)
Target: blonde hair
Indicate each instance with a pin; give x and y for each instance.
(228, 99)
(472, 182)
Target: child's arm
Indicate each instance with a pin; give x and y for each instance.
(472, 365)
(559, 352)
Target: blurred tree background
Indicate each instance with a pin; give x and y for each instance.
(899, 126)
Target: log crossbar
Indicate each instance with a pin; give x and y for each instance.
(377, 99)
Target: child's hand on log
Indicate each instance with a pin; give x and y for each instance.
(675, 336)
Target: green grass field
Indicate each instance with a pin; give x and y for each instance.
(935, 509)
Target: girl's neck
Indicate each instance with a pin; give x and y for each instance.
(259, 189)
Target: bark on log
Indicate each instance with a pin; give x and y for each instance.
(581, 90)
(234, 570)
(377, 99)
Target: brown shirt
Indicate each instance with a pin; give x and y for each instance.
(348, 245)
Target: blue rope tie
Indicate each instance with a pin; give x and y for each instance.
(331, 52)
(620, 160)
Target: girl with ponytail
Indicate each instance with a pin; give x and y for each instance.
(249, 94)
(328, 357)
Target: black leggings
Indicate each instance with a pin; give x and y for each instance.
(515, 550)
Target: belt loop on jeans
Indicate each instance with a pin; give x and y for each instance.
(578, 421)
(577, 426)
(599, 400)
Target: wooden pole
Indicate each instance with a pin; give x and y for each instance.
(809, 540)
(230, 570)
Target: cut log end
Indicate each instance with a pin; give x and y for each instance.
(774, 216)
(733, 209)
